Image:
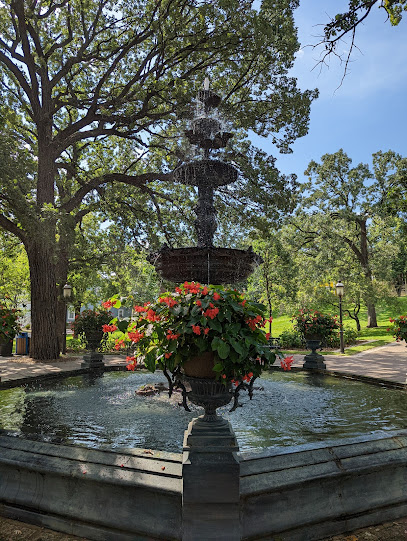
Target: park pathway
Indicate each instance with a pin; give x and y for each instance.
(387, 362)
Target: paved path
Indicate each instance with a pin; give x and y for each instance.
(386, 362)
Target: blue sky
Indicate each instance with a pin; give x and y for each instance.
(368, 112)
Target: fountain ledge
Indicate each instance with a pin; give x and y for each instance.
(309, 491)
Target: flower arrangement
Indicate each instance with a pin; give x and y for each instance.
(313, 323)
(196, 319)
(399, 328)
(91, 322)
(9, 325)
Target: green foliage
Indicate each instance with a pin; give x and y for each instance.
(91, 321)
(14, 271)
(399, 327)
(350, 336)
(291, 339)
(312, 322)
(9, 325)
(197, 319)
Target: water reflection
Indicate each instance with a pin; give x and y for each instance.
(105, 412)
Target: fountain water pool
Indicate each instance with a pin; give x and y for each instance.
(105, 413)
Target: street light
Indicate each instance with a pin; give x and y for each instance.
(339, 291)
(67, 290)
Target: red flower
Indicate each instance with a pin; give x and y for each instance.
(205, 291)
(168, 355)
(287, 362)
(108, 304)
(109, 328)
(216, 296)
(152, 316)
(206, 330)
(268, 335)
(168, 301)
(135, 336)
(171, 335)
(211, 312)
(118, 344)
(198, 303)
(196, 329)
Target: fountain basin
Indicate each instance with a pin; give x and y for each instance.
(205, 172)
(207, 265)
(307, 491)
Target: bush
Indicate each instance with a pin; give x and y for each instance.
(399, 328)
(349, 337)
(291, 339)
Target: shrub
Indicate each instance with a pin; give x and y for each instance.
(349, 337)
(291, 339)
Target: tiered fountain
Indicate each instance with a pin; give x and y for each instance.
(205, 263)
(210, 464)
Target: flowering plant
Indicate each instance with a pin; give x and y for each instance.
(311, 322)
(9, 325)
(195, 319)
(92, 321)
(399, 328)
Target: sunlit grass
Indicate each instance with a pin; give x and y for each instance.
(376, 336)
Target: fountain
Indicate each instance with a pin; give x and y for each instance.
(205, 263)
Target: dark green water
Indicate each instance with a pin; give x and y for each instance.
(292, 408)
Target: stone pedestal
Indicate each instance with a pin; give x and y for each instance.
(210, 471)
(93, 360)
(314, 360)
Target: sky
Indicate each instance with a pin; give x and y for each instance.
(368, 112)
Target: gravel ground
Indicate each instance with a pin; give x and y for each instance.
(11, 530)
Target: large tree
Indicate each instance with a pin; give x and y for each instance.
(348, 204)
(82, 77)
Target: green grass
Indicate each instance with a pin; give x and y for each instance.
(377, 336)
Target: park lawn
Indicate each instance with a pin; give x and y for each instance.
(376, 336)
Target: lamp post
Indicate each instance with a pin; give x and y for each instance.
(67, 290)
(339, 291)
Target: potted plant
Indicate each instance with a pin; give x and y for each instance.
(90, 326)
(399, 328)
(9, 327)
(206, 333)
(314, 325)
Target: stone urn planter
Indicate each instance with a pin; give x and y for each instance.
(6, 347)
(93, 359)
(314, 360)
(205, 390)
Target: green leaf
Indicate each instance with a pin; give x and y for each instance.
(237, 347)
(223, 350)
(218, 367)
(122, 325)
(215, 324)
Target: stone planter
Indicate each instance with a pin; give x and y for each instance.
(6, 347)
(93, 359)
(94, 339)
(314, 360)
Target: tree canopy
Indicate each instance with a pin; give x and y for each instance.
(93, 93)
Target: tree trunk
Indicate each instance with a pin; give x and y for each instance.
(371, 315)
(44, 337)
